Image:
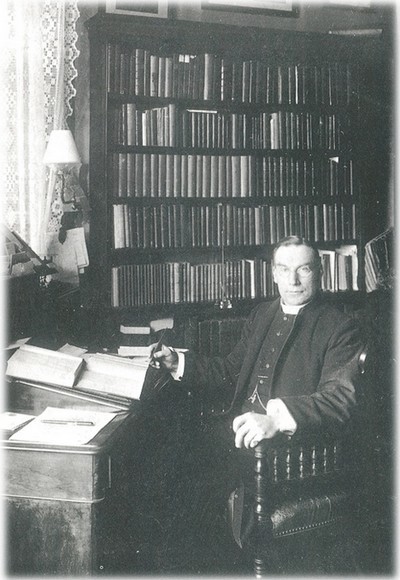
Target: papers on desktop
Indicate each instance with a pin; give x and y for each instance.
(64, 426)
(10, 421)
(72, 349)
(17, 343)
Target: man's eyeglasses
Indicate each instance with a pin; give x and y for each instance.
(302, 271)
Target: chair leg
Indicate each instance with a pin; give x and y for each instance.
(260, 570)
(263, 523)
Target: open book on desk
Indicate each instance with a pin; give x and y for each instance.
(104, 374)
(64, 426)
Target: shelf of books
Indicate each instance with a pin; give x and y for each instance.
(211, 150)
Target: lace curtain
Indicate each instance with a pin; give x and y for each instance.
(38, 69)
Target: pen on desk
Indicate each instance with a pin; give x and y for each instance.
(67, 422)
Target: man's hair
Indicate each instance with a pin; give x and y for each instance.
(297, 241)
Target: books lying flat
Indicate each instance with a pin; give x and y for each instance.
(42, 365)
(141, 340)
(130, 329)
(114, 375)
(64, 426)
(141, 351)
(161, 324)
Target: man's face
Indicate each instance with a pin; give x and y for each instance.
(297, 274)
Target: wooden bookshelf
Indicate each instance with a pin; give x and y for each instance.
(208, 144)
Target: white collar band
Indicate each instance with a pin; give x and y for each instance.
(289, 309)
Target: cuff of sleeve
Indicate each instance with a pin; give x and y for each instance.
(286, 424)
(178, 374)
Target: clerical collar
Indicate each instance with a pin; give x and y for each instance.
(289, 309)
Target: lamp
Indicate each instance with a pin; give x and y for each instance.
(61, 155)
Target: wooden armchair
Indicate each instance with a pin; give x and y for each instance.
(305, 494)
(307, 497)
(308, 504)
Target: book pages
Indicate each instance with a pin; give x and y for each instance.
(113, 375)
(43, 365)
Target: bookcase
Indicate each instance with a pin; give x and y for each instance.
(209, 143)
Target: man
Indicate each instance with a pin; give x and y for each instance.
(294, 370)
(296, 365)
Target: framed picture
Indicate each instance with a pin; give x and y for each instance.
(270, 7)
(156, 8)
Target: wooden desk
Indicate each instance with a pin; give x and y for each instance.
(58, 499)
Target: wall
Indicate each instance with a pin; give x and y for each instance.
(312, 17)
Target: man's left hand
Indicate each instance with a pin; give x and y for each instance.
(250, 428)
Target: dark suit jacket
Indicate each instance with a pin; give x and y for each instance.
(316, 373)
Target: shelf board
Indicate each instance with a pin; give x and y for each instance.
(191, 254)
(251, 201)
(144, 101)
(347, 153)
(346, 297)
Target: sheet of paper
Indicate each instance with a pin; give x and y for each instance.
(10, 421)
(17, 343)
(72, 349)
(77, 239)
(64, 426)
(69, 257)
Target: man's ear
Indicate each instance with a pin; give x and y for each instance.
(274, 274)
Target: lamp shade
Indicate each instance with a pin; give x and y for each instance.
(61, 151)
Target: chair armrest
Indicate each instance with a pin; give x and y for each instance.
(300, 484)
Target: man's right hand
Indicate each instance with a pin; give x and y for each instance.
(164, 357)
